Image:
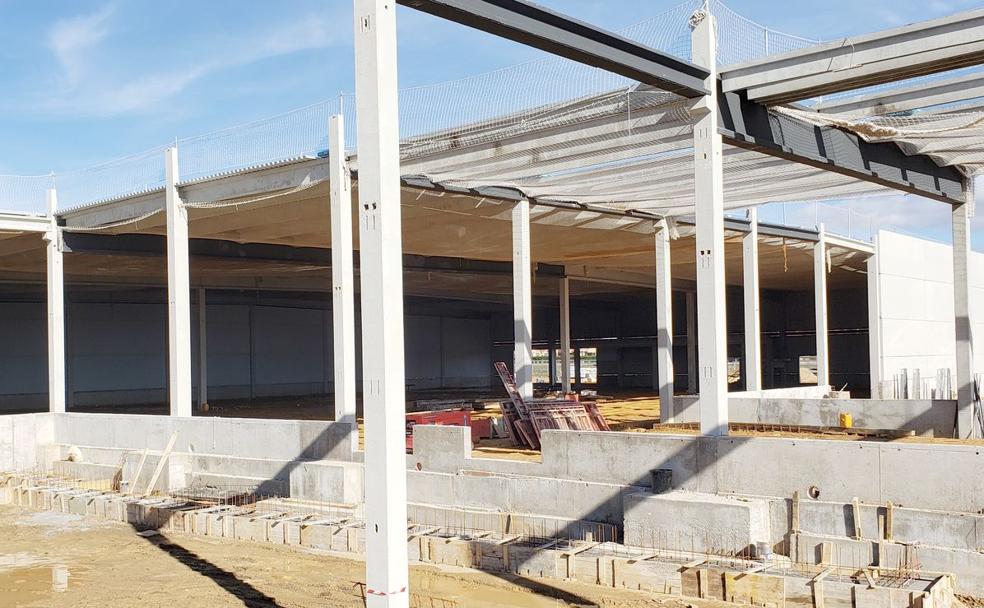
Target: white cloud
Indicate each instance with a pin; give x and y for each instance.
(71, 39)
(101, 95)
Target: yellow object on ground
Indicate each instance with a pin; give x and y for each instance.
(846, 420)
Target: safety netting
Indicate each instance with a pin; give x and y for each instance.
(554, 130)
(427, 113)
(949, 138)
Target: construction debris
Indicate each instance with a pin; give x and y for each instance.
(526, 419)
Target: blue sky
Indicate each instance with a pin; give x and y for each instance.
(88, 81)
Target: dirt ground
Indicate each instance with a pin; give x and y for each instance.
(58, 560)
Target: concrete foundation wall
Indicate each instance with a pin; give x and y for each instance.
(925, 417)
(583, 477)
(21, 437)
(272, 439)
(943, 477)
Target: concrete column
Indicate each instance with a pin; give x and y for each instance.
(202, 350)
(664, 324)
(178, 292)
(565, 335)
(820, 306)
(342, 276)
(381, 278)
(709, 201)
(692, 384)
(753, 318)
(968, 425)
(522, 300)
(874, 326)
(56, 310)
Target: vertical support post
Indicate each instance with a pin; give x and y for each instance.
(202, 350)
(709, 199)
(565, 335)
(56, 309)
(692, 385)
(753, 317)
(342, 276)
(874, 326)
(820, 306)
(522, 300)
(381, 276)
(178, 291)
(664, 323)
(578, 385)
(968, 425)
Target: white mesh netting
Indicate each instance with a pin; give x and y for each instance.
(554, 129)
(502, 97)
(948, 138)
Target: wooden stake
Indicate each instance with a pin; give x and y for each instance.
(856, 509)
(889, 512)
(161, 463)
(136, 476)
(796, 512)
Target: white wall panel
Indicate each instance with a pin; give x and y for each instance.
(916, 314)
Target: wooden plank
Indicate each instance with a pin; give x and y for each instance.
(796, 512)
(161, 463)
(856, 510)
(889, 515)
(136, 476)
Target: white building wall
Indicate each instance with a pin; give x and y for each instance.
(916, 325)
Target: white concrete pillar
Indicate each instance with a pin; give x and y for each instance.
(968, 425)
(709, 200)
(692, 384)
(522, 300)
(820, 307)
(381, 277)
(56, 309)
(565, 335)
(664, 324)
(202, 350)
(874, 325)
(342, 276)
(753, 317)
(178, 291)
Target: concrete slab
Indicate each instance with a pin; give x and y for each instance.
(689, 521)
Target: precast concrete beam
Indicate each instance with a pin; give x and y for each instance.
(850, 63)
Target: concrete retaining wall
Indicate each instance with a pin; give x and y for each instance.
(20, 438)
(926, 417)
(248, 438)
(942, 477)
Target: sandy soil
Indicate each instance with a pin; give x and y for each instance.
(57, 560)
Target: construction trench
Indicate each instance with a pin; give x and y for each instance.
(834, 522)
